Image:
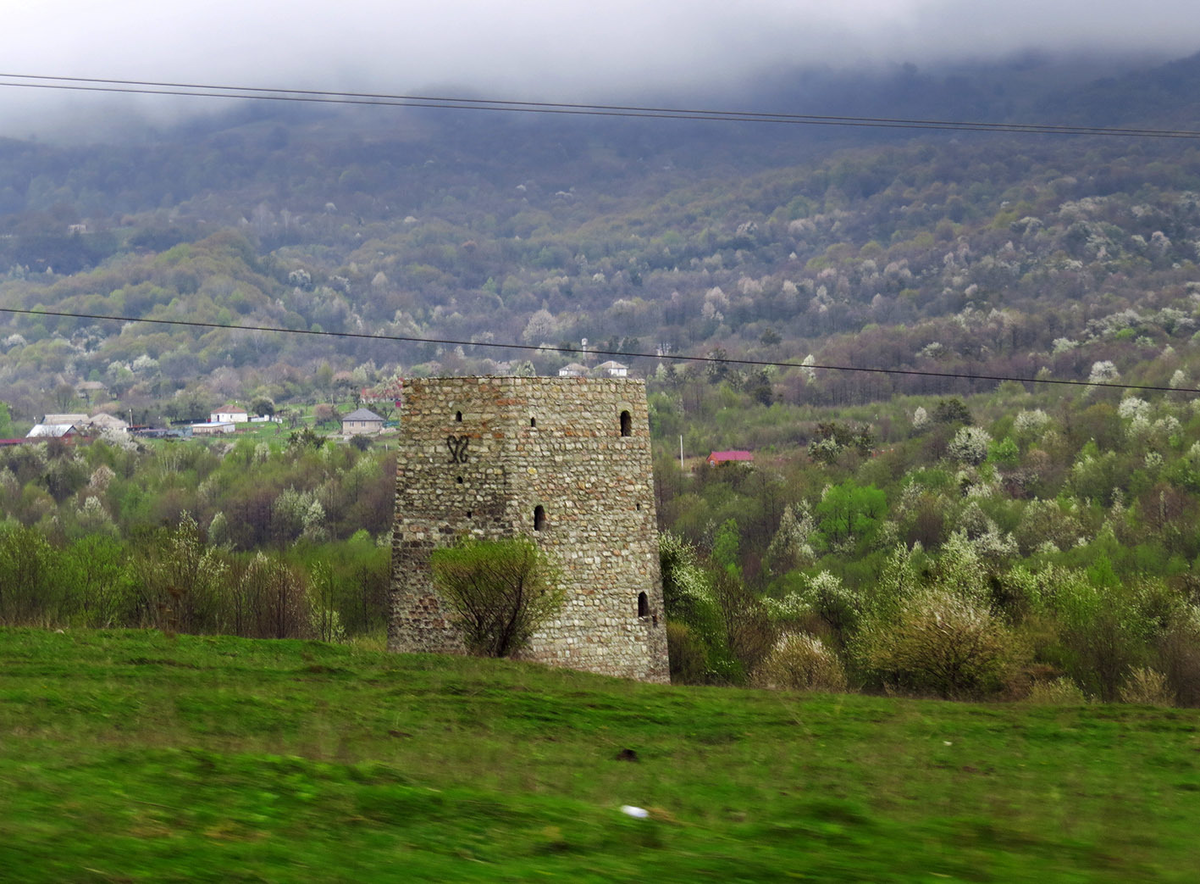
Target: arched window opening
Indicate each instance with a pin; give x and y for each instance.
(458, 416)
(643, 605)
(470, 513)
(533, 422)
(626, 424)
(539, 518)
(459, 480)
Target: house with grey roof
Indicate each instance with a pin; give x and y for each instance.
(362, 422)
(573, 370)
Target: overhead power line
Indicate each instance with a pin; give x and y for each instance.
(380, 99)
(672, 357)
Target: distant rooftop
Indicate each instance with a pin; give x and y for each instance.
(51, 431)
(730, 456)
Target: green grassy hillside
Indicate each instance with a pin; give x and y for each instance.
(132, 756)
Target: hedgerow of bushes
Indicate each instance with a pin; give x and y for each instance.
(938, 625)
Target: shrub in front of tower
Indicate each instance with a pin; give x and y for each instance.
(499, 592)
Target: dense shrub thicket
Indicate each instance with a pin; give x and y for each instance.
(251, 539)
(171, 579)
(921, 629)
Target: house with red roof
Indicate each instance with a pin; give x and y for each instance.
(719, 457)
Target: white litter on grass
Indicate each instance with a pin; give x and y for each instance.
(639, 812)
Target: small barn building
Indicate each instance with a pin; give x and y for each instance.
(214, 428)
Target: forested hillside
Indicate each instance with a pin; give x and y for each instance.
(872, 495)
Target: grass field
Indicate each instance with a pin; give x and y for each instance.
(133, 756)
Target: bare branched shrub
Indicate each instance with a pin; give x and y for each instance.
(938, 643)
(500, 592)
(31, 587)
(179, 580)
(1057, 692)
(749, 632)
(687, 653)
(271, 601)
(1179, 656)
(326, 623)
(801, 662)
(1147, 687)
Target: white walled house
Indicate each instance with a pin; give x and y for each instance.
(229, 414)
(612, 369)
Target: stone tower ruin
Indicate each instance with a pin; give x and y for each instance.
(565, 461)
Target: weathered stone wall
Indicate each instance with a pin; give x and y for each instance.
(480, 456)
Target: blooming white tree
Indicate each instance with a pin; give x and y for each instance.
(144, 364)
(1103, 372)
(1132, 407)
(1031, 423)
(542, 326)
(970, 445)
(792, 545)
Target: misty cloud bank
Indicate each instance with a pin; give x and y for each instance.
(547, 49)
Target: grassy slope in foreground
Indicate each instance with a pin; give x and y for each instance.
(136, 757)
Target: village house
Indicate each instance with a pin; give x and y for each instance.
(723, 457)
(233, 414)
(612, 369)
(102, 421)
(362, 422)
(53, 431)
(90, 389)
(75, 420)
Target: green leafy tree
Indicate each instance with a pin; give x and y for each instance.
(726, 543)
(499, 592)
(849, 513)
(263, 405)
(952, 411)
(305, 438)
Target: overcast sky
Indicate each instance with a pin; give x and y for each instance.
(552, 49)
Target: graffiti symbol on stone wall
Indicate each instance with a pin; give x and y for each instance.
(458, 448)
